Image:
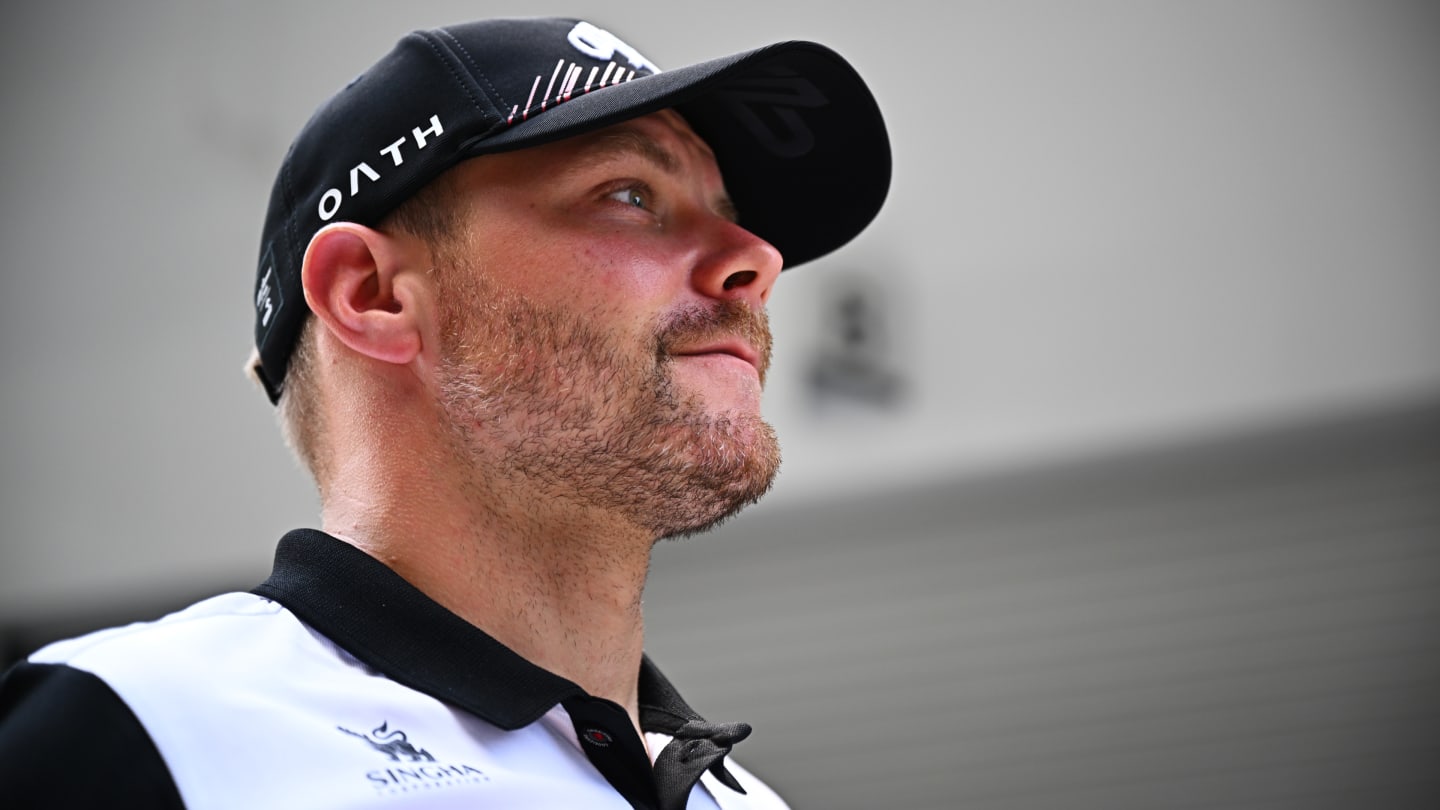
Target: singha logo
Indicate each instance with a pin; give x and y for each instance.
(393, 744)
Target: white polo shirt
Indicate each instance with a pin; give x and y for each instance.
(338, 684)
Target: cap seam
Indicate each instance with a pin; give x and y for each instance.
(475, 69)
(449, 63)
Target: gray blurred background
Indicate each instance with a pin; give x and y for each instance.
(1112, 470)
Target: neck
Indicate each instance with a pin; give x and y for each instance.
(558, 583)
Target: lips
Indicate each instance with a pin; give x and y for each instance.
(737, 349)
(731, 330)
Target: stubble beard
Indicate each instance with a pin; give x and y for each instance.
(561, 409)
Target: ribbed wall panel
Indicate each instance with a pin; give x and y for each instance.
(1249, 623)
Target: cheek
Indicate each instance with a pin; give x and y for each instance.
(623, 263)
(611, 277)
(621, 280)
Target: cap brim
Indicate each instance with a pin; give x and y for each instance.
(797, 135)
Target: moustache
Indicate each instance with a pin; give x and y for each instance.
(729, 319)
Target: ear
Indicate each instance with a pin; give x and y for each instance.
(358, 281)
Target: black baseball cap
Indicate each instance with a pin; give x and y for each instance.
(798, 137)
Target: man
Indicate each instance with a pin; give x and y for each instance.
(510, 302)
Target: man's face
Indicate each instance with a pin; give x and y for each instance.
(603, 332)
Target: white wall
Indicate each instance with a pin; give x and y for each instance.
(1113, 224)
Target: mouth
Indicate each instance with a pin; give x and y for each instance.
(729, 348)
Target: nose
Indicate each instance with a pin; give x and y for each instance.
(738, 265)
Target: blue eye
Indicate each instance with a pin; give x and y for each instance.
(635, 196)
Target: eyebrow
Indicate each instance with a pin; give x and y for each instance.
(629, 142)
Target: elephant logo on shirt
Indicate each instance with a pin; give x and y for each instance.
(393, 744)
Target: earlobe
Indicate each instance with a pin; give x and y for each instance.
(351, 278)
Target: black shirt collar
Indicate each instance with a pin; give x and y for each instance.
(389, 624)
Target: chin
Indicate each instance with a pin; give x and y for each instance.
(730, 467)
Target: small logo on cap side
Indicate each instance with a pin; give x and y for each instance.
(268, 296)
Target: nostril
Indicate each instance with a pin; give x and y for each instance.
(740, 279)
